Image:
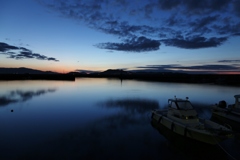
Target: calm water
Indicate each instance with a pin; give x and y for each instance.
(101, 118)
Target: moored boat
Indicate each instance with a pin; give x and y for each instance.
(228, 114)
(182, 119)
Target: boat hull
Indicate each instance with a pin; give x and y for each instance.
(225, 119)
(196, 133)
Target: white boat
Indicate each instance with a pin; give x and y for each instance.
(182, 119)
(228, 114)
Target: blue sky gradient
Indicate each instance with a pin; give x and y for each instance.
(95, 35)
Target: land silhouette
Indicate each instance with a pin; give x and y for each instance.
(32, 74)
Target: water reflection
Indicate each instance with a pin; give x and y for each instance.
(125, 134)
(188, 148)
(132, 105)
(95, 119)
(21, 96)
(122, 135)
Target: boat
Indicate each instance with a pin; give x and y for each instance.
(190, 148)
(181, 118)
(227, 114)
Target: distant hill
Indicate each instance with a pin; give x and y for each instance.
(23, 70)
(33, 74)
(116, 72)
(107, 73)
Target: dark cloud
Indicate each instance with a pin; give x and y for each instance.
(174, 20)
(236, 6)
(5, 47)
(52, 59)
(226, 28)
(22, 53)
(195, 42)
(229, 61)
(236, 34)
(125, 30)
(212, 5)
(212, 67)
(158, 68)
(148, 10)
(25, 49)
(200, 25)
(189, 69)
(168, 5)
(139, 44)
(194, 6)
(186, 24)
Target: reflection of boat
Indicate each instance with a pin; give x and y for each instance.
(188, 147)
(228, 114)
(181, 118)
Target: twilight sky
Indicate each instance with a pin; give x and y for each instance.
(95, 35)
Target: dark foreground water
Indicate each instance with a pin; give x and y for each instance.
(102, 119)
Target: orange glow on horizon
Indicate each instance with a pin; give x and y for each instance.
(228, 72)
(64, 69)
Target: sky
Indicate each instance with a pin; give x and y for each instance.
(95, 35)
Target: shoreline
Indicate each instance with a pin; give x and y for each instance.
(230, 80)
(65, 77)
(223, 80)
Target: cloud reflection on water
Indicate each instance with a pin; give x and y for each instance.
(132, 105)
(122, 135)
(191, 149)
(22, 96)
(125, 134)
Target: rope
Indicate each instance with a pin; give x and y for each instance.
(223, 148)
(219, 144)
(226, 152)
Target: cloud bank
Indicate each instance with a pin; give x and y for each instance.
(139, 44)
(15, 52)
(144, 25)
(194, 69)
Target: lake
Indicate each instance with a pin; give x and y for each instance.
(99, 118)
